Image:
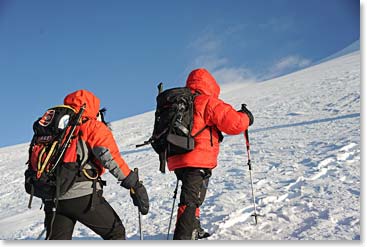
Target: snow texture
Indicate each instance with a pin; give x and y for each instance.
(305, 150)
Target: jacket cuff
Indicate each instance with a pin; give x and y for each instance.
(130, 181)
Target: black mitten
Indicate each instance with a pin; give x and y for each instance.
(137, 191)
(140, 198)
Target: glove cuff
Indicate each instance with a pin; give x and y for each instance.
(130, 181)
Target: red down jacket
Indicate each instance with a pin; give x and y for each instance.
(209, 110)
(96, 137)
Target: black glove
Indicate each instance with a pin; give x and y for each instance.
(140, 198)
(247, 112)
(137, 191)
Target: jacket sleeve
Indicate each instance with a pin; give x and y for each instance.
(226, 118)
(105, 150)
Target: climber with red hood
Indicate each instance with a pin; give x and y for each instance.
(195, 167)
(96, 151)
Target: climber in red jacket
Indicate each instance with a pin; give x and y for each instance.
(93, 147)
(194, 168)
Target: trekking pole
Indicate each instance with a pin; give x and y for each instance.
(139, 214)
(250, 169)
(173, 206)
(41, 234)
(140, 228)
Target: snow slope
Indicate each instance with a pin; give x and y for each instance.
(305, 146)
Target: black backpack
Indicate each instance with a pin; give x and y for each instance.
(173, 124)
(53, 134)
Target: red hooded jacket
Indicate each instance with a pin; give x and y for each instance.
(210, 111)
(96, 137)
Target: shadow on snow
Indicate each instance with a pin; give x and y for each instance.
(316, 121)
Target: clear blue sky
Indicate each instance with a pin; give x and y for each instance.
(120, 50)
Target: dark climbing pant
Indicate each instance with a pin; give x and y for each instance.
(193, 189)
(103, 220)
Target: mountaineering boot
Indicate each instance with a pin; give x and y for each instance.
(203, 234)
(200, 232)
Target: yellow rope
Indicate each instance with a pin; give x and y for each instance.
(40, 171)
(40, 158)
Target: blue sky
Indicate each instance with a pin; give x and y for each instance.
(120, 50)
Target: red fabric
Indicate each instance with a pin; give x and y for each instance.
(36, 150)
(71, 151)
(180, 211)
(93, 132)
(197, 213)
(182, 208)
(209, 110)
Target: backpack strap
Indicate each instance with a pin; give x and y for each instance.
(162, 161)
(93, 177)
(220, 135)
(200, 131)
(55, 203)
(31, 197)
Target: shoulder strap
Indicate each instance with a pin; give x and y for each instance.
(200, 131)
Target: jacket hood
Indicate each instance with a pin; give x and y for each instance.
(78, 98)
(202, 81)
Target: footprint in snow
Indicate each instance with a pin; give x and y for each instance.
(295, 114)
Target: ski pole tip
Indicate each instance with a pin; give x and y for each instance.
(255, 215)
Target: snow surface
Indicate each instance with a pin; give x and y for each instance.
(305, 148)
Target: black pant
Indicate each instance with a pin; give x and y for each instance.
(193, 190)
(103, 220)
